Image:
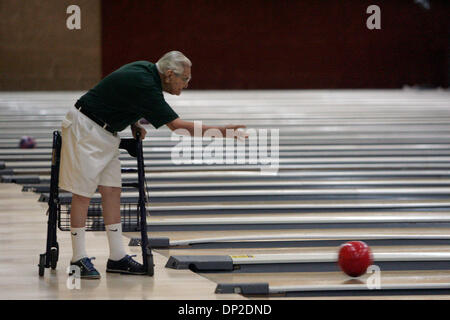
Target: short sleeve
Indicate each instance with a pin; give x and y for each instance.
(156, 110)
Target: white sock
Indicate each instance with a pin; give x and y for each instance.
(116, 249)
(78, 243)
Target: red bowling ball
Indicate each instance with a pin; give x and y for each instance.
(354, 258)
(27, 142)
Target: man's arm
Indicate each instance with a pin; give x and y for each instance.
(189, 126)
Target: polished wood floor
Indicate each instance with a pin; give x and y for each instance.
(22, 238)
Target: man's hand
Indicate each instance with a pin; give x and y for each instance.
(238, 133)
(136, 127)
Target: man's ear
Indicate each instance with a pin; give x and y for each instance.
(168, 74)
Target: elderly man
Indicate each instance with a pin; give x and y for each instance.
(90, 154)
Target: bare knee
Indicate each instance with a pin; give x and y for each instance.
(80, 200)
(109, 191)
(78, 211)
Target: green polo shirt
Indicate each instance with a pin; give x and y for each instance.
(128, 94)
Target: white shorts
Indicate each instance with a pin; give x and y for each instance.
(89, 156)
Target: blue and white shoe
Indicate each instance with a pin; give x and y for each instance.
(87, 269)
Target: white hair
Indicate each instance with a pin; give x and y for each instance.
(173, 60)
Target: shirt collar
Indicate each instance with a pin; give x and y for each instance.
(156, 75)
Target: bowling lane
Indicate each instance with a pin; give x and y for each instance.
(297, 221)
(270, 195)
(333, 278)
(11, 140)
(39, 156)
(184, 238)
(312, 162)
(256, 206)
(326, 252)
(319, 126)
(242, 185)
(183, 177)
(257, 185)
(287, 217)
(335, 149)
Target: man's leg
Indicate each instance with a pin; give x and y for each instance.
(119, 261)
(111, 217)
(78, 214)
(75, 164)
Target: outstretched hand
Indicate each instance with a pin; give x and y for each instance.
(238, 134)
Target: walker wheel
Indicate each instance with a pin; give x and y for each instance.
(54, 257)
(41, 264)
(150, 265)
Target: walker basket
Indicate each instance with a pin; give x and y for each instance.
(129, 216)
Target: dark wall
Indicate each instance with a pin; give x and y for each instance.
(282, 44)
(38, 52)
